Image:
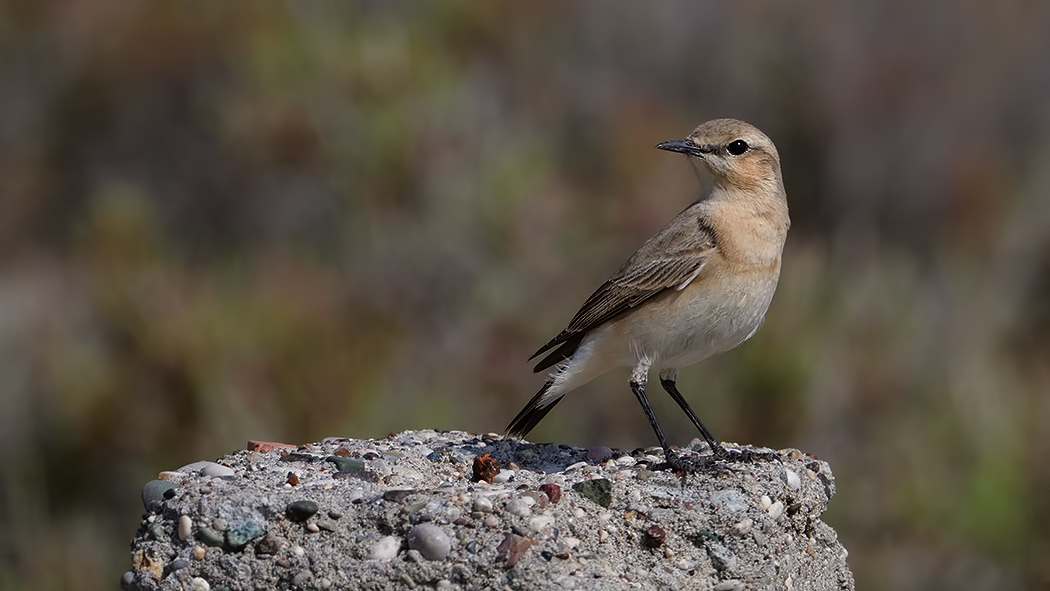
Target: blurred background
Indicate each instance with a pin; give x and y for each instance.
(233, 221)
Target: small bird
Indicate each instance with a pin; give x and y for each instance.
(699, 287)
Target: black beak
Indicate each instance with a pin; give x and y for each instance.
(683, 146)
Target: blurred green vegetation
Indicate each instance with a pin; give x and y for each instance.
(223, 221)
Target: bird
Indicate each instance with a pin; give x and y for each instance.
(699, 287)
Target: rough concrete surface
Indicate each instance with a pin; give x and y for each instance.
(405, 512)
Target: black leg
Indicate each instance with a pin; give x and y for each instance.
(672, 389)
(639, 392)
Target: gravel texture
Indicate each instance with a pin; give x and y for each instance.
(405, 512)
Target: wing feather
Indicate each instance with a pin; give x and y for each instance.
(670, 260)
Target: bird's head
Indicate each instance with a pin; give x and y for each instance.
(734, 152)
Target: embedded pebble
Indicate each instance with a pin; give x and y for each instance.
(512, 548)
(199, 552)
(598, 453)
(518, 507)
(209, 537)
(385, 549)
(765, 501)
(539, 522)
(185, 527)
(483, 504)
(730, 499)
(503, 476)
(743, 526)
(553, 492)
(776, 510)
(792, 479)
(300, 510)
(211, 469)
(156, 492)
(491, 521)
(568, 543)
(430, 540)
(239, 536)
(199, 584)
(177, 565)
(654, 537)
(598, 490)
(346, 464)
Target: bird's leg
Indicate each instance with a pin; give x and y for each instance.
(668, 379)
(639, 377)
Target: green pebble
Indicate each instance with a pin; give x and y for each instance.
(156, 531)
(346, 464)
(239, 536)
(413, 508)
(598, 490)
(209, 538)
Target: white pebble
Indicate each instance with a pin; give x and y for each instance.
(766, 502)
(529, 500)
(743, 526)
(792, 479)
(204, 468)
(540, 522)
(483, 504)
(568, 543)
(776, 510)
(518, 507)
(430, 540)
(491, 521)
(503, 476)
(578, 513)
(312, 527)
(298, 550)
(199, 584)
(385, 549)
(603, 535)
(185, 527)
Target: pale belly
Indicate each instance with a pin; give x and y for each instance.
(680, 328)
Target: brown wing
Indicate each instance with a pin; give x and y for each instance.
(668, 260)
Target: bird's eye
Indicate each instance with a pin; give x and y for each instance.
(737, 147)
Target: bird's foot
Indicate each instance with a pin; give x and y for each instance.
(743, 456)
(718, 459)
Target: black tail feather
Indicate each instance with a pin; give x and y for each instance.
(565, 351)
(532, 414)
